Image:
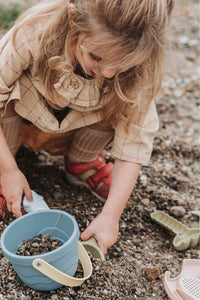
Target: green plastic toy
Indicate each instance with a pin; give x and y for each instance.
(185, 237)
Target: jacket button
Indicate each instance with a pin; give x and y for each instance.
(75, 84)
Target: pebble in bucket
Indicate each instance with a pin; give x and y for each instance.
(56, 268)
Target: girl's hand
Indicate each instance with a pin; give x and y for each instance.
(104, 229)
(14, 186)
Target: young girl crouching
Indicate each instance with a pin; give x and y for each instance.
(74, 76)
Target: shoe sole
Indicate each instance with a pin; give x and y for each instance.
(76, 181)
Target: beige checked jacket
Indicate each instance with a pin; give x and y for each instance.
(18, 83)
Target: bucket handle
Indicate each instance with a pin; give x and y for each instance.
(62, 278)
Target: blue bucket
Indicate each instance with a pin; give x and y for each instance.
(61, 226)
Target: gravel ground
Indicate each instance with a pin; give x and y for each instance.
(170, 183)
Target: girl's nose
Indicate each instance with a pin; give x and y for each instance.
(108, 72)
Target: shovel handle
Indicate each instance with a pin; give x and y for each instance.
(92, 247)
(168, 222)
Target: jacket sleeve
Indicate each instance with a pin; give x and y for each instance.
(136, 144)
(13, 61)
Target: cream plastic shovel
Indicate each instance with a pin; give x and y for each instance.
(92, 247)
(185, 237)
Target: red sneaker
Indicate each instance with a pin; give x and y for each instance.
(95, 175)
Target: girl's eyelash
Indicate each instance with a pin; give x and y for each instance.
(93, 56)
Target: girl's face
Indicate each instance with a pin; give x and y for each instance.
(91, 61)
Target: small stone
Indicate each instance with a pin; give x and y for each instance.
(80, 197)
(183, 39)
(145, 201)
(191, 56)
(178, 211)
(45, 237)
(35, 245)
(143, 179)
(36, 240)
(11, 278)
(178, 93)
(180, 202)
(105, 291)
(153, 272)
(184, 169)
(123, 225)
(193, 42)
(54, 297)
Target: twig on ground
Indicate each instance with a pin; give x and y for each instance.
(68, 205)
(106, 278)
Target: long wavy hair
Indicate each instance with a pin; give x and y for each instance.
(136, 27)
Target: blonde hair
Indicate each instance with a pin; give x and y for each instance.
(136, 27)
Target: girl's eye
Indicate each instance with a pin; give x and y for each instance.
(93, 56)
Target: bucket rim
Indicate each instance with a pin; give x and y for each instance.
(44, 255)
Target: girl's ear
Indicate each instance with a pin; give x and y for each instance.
(71, 8)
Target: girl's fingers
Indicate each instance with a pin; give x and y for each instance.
(86, 234)
(9, 206)
(103, 248)
(16, 209)
(28, 193)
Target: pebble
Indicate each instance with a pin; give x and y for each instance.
(184, 169)
(145, 201)
(153, 272)
(143, 179)
(183, 39)
(11, 278)
(178, 93)
(193, 42)
(80, 197)
(54, 297)
(35, 245)
(191, 56)
(178, 211)
(180, 202)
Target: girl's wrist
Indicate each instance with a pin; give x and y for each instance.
(10, 167)
(113, 209)
(7, 161)
(109, 214)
